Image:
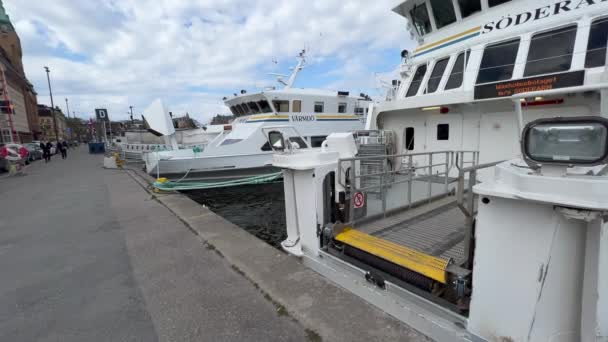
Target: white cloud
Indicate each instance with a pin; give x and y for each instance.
(117, 53)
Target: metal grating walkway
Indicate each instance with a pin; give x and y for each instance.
(437, 229)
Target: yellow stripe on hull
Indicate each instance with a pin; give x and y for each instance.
(264, 117)
(427, 265)
(445, 40)
(336, 117)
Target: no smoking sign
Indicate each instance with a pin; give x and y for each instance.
(359, 200)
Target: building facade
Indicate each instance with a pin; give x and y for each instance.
(15, 88)
(47, 124)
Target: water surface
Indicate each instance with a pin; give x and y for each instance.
(259, 209)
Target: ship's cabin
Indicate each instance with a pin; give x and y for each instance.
(571, 43)
(299, 101)
(428, 16)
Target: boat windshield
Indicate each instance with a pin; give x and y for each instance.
(254, 107)
(421, 19)
(264, 106)
(443, 12)
(250, 108)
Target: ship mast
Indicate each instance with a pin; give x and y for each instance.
(296, 70)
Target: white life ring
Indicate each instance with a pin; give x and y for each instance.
(13, 152)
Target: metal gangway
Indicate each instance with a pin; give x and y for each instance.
(418, 213)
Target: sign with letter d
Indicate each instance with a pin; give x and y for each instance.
(102, 115)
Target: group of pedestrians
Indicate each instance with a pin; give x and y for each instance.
(61, 146)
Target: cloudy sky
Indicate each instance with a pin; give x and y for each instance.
(191, 53)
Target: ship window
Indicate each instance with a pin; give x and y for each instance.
(317, 141)
(234, 111)
(247, 108)
(444, 12)
(455, 79)
(436, 75)
(468, 7)
(281, 106)
(264, 106)
(301, 143)
(420, 19)
(596, 46)
(416, 80)
(551, 51)
(254, 107)
(409, 138)
(230, 141)
(498, 62)
(242, 109)
(443, 132)
(493, 3)
(297, 106)
(342, 107)
(266, 147)
(319, 106)
(359, 110)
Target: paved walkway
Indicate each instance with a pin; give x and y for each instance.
(87, 255)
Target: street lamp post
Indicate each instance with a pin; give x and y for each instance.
(69, 123)
(48, 78)
(131, 107)
(67, 107)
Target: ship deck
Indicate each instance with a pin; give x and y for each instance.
(436, 229)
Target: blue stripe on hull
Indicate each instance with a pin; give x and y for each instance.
(337, 119)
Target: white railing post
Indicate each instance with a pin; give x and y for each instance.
(410, 172)
(430, 190)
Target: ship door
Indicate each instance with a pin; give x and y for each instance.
(443, 133)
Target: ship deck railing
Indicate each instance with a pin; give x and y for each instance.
(424, 203)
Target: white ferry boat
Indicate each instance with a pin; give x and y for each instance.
(135, 143)
(520, 256)
(242, 149)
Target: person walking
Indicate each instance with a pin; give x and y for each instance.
(66, 146)
(47, 151)
(62, 149)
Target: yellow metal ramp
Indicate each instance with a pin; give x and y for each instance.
(432, 267)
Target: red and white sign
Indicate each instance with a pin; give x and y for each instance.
(359, 200)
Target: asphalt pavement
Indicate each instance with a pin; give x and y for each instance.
(87, 255)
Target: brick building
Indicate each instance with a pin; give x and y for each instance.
(15, 87)
(47, 125)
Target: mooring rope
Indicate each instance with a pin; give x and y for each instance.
(166, 185)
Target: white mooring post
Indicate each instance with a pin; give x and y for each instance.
(303, 175)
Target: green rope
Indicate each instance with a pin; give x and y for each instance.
(183, 186)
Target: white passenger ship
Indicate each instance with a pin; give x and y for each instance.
(242, 149)
(521, 256)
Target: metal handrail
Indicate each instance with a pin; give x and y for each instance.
(472, 170)
(452, 161)
(394, 155)
(434, 171)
